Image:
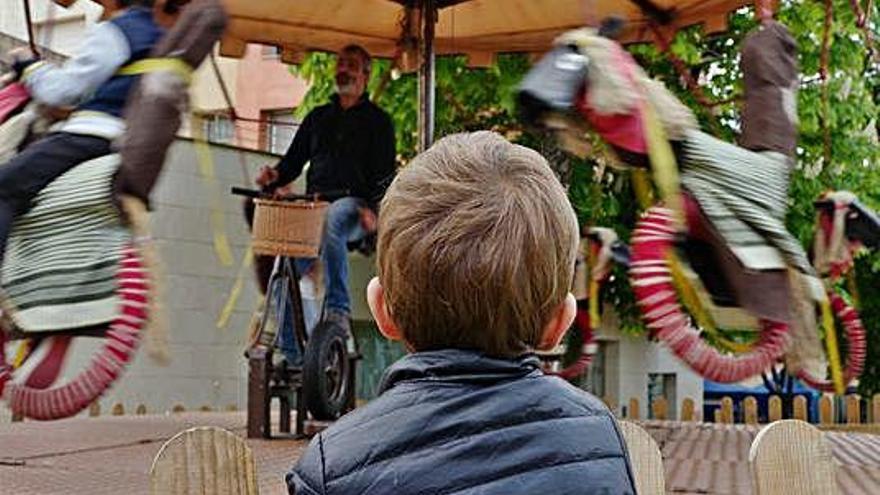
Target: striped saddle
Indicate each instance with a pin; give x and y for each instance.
(73, 269)
(63, 255)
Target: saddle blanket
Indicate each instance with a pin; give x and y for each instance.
(63, 255)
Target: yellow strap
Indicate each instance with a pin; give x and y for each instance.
(169, 64)
(20, 354)
(592, 291)
(691, 301)
(643, 188)
(204, 156)
(595, 319)
(237, 287)
(832, 349)
(663, 164)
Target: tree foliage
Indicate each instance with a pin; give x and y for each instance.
(470, 99)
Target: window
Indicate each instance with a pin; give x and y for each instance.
(218, 128)
(278, 131)
(595, 379)
(661, 385)
(270, 52)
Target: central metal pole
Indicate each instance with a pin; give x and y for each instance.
(426, 74)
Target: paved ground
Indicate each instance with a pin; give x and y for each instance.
(112, 455)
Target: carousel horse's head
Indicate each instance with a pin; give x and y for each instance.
(844, 225)
(599, 249)
(590, 77)
(607, 246)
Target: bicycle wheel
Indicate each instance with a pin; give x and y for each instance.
(326, 379)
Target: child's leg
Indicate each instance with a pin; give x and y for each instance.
(25, 175)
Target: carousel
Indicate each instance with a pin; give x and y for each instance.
(717, 276)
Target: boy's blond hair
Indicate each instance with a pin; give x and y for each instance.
(476, 247)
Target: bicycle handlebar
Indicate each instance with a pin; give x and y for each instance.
(321, 196)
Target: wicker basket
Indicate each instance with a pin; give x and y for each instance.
(288, 228)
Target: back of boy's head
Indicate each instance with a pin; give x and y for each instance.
(476, 246)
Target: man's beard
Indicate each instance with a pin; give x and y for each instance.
(346, 89)
(346, 85)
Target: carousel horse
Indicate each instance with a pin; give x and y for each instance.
(718, 241)
(77, 269)
(843, 227)
(599, 249)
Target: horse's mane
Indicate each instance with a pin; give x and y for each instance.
(617, 85)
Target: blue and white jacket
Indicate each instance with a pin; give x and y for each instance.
(90, 80)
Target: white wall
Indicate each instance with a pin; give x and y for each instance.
(64, 36)
(628, 362)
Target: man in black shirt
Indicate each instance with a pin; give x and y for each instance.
(349, 144)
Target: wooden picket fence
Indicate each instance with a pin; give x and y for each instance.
(851, 416)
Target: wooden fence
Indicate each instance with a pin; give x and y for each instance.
(829, 412)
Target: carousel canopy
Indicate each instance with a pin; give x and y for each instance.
(477, 28)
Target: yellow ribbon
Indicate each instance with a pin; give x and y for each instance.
(595, 320)
(21, 354)
(169, 64)
(237, 287)
(592, 291)
(832, 348)
(643, 188)
(663, 164)
(691, 301)
(218, 219)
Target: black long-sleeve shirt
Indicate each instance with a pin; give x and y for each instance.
(351, 150)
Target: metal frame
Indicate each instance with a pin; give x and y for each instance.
(266, 382)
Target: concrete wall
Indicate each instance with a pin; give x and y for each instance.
(207, 365)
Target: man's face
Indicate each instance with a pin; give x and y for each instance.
(351, 79)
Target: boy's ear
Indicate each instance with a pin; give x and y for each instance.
(559, 323)
(376, 301)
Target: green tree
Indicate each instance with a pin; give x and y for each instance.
(470, 99)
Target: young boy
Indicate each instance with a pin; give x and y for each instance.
(476, 256)
(92, 84)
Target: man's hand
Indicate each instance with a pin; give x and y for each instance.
(369, 221)
(267, 176)
(22, 54)
(20, 59)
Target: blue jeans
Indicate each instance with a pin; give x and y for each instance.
(341, 226)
